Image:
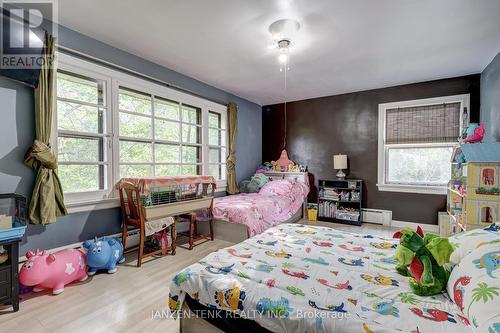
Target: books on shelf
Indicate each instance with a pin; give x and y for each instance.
(327, 208)
(340, 200)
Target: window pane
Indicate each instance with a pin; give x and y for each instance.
(167, 109)
(167, 130)
(77, 88)
(191, 134)
(214, 170)
(134, 102)
(216, 137)
(191, 170)
(166, 153)
(428, 166)
(218, 171)
(216, 120)
(216, 155)
(77, 117)
(136, 170)
(167, 170)
(131, 151)
(79, 178)
(191, 115)
(78, 149)
(135, 126)
(191, 154)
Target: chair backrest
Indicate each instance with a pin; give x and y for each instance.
(130, 197)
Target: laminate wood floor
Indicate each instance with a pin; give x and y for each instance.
(122, 302)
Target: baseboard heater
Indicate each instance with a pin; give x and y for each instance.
(376, 216)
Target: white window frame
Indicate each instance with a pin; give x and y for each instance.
(382, 184)
(107, 198)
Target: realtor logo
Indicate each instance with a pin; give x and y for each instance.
(23, 27)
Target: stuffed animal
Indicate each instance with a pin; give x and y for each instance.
(265, 167)
(103, 253)
(254, 184)
(475, 133)
(422, 258)
(283, 161)
(248, 186)
(53, 271)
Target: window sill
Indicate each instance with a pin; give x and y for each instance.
(85, 206)
(420, 189)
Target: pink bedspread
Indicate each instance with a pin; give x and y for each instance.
(276, 202)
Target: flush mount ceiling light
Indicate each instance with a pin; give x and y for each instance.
(283, 31)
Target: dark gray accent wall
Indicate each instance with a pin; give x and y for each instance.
(318, 128)
(17, 132)
(490, 100)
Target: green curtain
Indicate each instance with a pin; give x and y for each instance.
(47, 201)
(232, 186)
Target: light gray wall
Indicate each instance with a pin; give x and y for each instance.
(17, 132)
(490, 100)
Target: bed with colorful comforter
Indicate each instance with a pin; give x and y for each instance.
(296, 278)
(275, 203)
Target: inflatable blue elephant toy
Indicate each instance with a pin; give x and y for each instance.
(103, 253)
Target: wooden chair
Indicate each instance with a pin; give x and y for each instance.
(192, 234)
(131, 207)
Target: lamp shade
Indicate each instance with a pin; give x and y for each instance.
(340, 162)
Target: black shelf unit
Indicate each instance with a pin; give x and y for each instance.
(337, 195)
(9, 282)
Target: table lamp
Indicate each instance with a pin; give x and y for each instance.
(340, 163)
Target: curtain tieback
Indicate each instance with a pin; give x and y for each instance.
(40, 154)
(231, 161)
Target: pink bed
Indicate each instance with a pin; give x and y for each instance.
(276, 203)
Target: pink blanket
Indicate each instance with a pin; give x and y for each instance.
(276, 202)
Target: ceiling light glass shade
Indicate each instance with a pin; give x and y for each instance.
(284, 29)
(283, 58)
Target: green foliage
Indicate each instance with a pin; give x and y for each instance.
(417, 165)
(483, 190)
(78, 116)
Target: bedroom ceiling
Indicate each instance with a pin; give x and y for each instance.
(342, 46)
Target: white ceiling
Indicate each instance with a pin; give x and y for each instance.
(342, 46)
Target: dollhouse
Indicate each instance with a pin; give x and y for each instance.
(473, 191)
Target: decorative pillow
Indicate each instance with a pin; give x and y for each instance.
(260, 179)
(474, 285)
(466, 242)
(277, 187)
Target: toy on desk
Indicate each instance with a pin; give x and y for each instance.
(475, 133)
(103, 253)
(53, 271)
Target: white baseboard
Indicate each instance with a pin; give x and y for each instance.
(425, 227)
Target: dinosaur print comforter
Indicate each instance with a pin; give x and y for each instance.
(296, 278)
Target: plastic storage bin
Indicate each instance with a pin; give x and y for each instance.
(13, 216)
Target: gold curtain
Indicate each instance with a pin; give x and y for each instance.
(47, 201)
(232, 186)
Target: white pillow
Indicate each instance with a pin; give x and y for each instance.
(474, 285)
(468, 241)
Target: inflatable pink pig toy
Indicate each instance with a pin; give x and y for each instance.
(53, 271)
